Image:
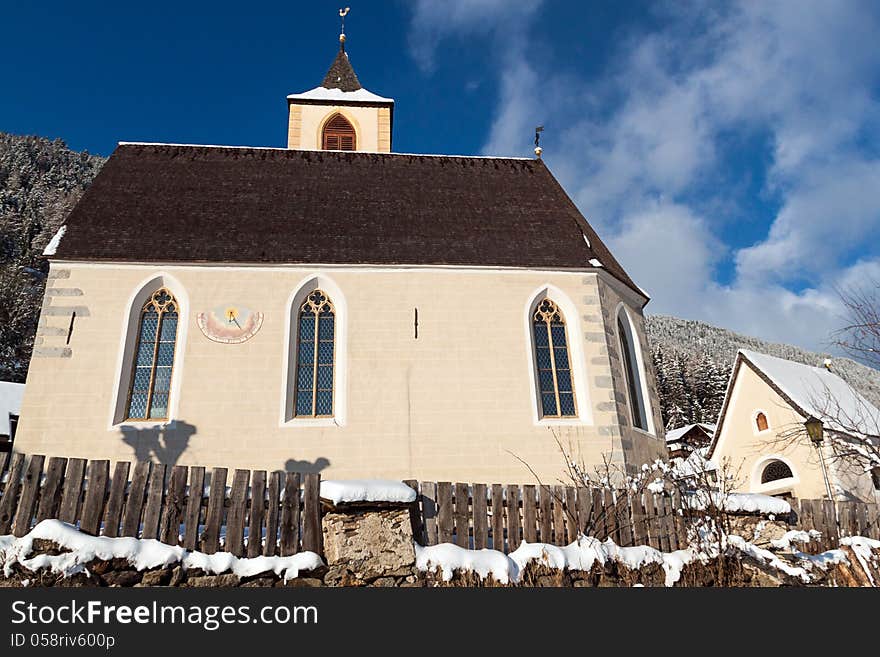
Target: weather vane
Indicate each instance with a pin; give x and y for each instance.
(342, 14)
(538, 130)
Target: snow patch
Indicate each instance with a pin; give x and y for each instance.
(52, 246)
(738, 503)
(367, 490)
(323, 93)
(142, 554)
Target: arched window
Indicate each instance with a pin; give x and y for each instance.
(315, 357)
(631, 371)
(761, 422)
(551, 357)
(774, 471)
(154, 358)
(339, 135)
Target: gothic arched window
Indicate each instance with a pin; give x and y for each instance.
(315, 357)
(154, 358)
(631, 371)
(552, 361)
(761, 422)
(774, 471)
(338, 135)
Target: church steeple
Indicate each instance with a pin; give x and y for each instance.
(340, 114)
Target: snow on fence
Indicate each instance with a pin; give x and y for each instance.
(502, 517)
(170, 503)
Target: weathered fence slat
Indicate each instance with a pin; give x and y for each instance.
(429, 511)
(624, 522)
(27, 503)
(415, 513)
(175, 505)
(256, 514)
(529, 514)
(4, 457)
(134, 504)
(153, 507)
(558, 500)
(571, 525)
(584, 510)
(610, 512)
(214, 514)
(93, 505)
(116, 498)
(72, 493)
(481, 517)
(445, 525)
(193, 513)
(545, 513)
(236, 511)
(312, 538)
(599, 518)
(460, 516)
(290, 515)
(274, 498)
(637, 513)
(513, 516)
(50, 494)
(497, 517)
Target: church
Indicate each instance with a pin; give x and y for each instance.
(335, 306)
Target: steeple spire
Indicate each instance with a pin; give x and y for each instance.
(341, 75)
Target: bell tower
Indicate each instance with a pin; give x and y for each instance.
(340, 114)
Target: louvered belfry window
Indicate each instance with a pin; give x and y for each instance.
(154, 358)
(315, 357)
(339, 135)
(551, 358)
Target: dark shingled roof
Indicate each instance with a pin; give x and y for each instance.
(341, 75)
(169, 203)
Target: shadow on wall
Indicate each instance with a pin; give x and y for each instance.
(162, 444)
(293, 465)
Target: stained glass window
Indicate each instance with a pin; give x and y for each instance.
(631, 372)
(552, 360)
(153, 358)
(315, 357)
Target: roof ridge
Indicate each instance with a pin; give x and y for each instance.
(307, 150)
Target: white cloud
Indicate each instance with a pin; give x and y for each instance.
(435, 20)
(638, 148)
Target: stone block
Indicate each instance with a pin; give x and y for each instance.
(370, 543)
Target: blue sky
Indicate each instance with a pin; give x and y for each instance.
(728, 153)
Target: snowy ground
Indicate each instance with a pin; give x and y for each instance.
(142, 554)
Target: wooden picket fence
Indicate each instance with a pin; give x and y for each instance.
(170, 503)
(195, 509)
(502, 517)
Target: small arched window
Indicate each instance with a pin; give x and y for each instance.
(150, 386)
(315, 357)
(339, 135)
(552, 361)
(631, 371)
(761, 422)
(774, 471)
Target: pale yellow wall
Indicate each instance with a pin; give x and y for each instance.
(372, 126)
(455, 404)
(749, 450)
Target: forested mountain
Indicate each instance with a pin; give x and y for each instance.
(40, 181)
(694, 360)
